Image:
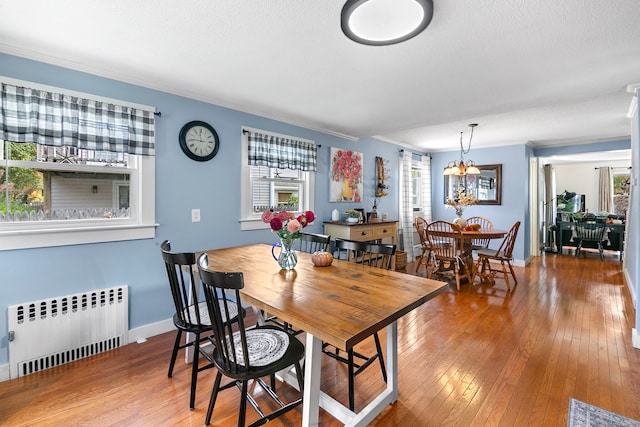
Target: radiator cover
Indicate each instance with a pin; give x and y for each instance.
(55, 331)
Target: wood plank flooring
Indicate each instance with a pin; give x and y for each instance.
(481, 356)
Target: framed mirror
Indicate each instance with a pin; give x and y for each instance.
(486, 187)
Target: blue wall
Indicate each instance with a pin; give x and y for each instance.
(181, 185)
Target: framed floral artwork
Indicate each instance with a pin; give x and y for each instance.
(346, 176)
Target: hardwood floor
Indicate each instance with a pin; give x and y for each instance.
(476, 357)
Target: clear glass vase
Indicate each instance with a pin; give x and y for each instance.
(287, 258)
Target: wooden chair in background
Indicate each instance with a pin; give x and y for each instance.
(446, 246)
(504, 255)
(485, 224)
(591, 233)
(425, 246)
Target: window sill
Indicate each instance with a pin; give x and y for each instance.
(253, 224)
(42, 238)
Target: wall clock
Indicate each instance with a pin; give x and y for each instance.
(199, 141)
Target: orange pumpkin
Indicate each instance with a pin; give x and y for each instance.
(321, 258)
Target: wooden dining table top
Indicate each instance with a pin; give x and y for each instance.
(341, 304)
(483, 233)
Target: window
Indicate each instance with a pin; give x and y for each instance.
(416, 185)
(278, 188)
(621, 187)
(74, 192)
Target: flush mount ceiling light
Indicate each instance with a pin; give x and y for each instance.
(385, 22)
(457, 167)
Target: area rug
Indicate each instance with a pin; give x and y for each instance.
(584, 415)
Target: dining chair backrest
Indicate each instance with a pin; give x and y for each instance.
(591, 231)
(367, 253)
(312, 242)
(485, 224)
(444, 239)
(506, 247)
(218, 289)
(183, 283)
(421, 229)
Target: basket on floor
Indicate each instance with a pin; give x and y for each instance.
(401, 260)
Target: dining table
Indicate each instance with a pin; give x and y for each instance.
(341, 304)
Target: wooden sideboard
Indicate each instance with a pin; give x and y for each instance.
(613, 236)
(362, 232)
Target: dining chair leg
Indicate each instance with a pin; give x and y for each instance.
(380, 358)
(505, 275)
(212, 400)
(513, 273)
(194, 371)
(243, 404)
(174, 354)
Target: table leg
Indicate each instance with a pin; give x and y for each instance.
(311, 395)
(313, 398)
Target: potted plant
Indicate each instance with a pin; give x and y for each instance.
(353, 215)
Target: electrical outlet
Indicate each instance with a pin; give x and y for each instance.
(195, 215)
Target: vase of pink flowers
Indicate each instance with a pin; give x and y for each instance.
(288, 227)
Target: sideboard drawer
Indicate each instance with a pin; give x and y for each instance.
(384, 231)
(362, 233)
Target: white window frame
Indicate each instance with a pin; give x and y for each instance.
(140, 225)
(417, 165)
(250, 220)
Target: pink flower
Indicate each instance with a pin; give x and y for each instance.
(266, 216)
(283, 216)
(293, 226)
(286, 225)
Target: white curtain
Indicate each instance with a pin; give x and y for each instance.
(426, 187)
(406, 206)
(605, 190)
(549, 204)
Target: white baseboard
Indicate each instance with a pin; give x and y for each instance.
(143, 332)
(4, 372)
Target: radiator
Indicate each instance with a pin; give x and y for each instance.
(55, 331)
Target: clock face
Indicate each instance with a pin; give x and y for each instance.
(199, 141)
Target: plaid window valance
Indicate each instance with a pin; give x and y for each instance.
(46, 118)
(281, 152)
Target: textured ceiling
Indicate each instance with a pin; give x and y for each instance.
(543, 72)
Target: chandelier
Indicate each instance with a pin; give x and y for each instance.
(458, 167)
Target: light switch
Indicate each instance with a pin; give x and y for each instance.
(195, 215)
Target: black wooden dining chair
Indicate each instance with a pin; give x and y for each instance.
(503, 255)
(312, 242)
(243, 354)
(191, 315)
(377, 255)
(591, 233)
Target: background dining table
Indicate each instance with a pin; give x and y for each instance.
(467, 237)
(341, 304)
